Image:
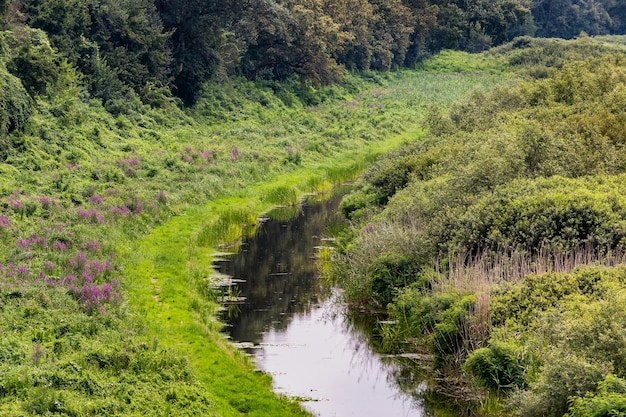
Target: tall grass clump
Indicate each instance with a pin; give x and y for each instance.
(281, 195)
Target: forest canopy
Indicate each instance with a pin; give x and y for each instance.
(156, 48)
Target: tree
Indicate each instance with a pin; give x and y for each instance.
(392, 33)
(356, 21)
(198, 34)
(567, 18)
(125, 35)
(291, 38)
(425, 15)
(476, 24)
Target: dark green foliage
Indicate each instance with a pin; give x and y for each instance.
(15, 107)
(197, 36)
(390, 273)
(35, 63)
(568, 18)
(497, 367)
(475, 26)
(114, 43)
(177, 46)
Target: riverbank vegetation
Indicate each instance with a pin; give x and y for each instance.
(496, 243)
(138, 136)
(110, 212)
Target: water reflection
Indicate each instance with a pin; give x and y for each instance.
(300, 332)
(278, 271)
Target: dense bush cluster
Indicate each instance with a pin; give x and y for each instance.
(499, 212)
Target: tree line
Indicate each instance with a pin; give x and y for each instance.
(156, 47)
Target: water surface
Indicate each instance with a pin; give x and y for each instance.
(297, 330)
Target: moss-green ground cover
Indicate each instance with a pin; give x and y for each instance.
(108, 226)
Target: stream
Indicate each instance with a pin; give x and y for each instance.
(297, 329)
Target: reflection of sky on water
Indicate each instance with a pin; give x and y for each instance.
(306, 343)
(318, 357)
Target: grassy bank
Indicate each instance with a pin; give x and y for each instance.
(108, 226)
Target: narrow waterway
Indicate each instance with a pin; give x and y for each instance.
(296, 328)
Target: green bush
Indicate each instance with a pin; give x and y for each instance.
(353, 206)
(391, 272)
(608, 401)
(498, 367)
(557, 213)
(523, 303)
(563, 376)
(15, 106)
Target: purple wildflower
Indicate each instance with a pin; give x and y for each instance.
(97, 266)
(235, 154)
(161, 197)
(59, 246)
(49, 266)
(119, 210)
(22, 271)
(95, 199)
(69, 279)
(93, 246)
(38, 353)
(79, 261)
(45, 202)
(22, 243)
(91, 216)
(16, 205)
(4, 221)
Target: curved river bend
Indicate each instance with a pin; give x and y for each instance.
(297, 330)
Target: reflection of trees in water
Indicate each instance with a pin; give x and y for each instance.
(276, 264)
(410, 375)
(367, 347)
(282, 281)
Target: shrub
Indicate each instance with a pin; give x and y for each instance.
(497, 367)
(15, 106)
(562, 377)
(391, 272)
(558, 212)
(610, 400)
